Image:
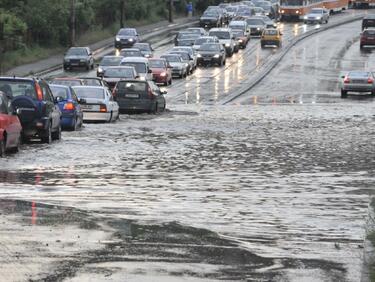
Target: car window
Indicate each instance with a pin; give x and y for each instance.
(91, 81)
(111, 61)
(359, 74)
(59, 92)
(47, 95)
(74, 96)
(270, 32)
(139, 67)
(3, 104)
(132, 87)
(119, 72)
(89, 92)
(77, 52)
(157, 64)
(369, 32)
(14, 88)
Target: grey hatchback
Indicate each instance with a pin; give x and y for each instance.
(135, 96)
(358, 81)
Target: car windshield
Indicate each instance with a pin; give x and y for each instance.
(131, 53)
(173, 59)
(210, 47)
(210, 14)
(369, 32)
(143, 47)
(67, 82)
(316, 11)
(359, 74)
(184, 56)
(237, 26)
(157, 64)
(194, 30)
(111, 61)
(13, 88)
(244, 13)
(258, 9)
(231, 9)
(89, 92)
(58, 91)
(132, 87)
(201, 41)
(270, 32)
(77, 52)
(127, 32)
(220, 34)
(238, 33)
(185, 35)
(255, 22)
(119, 72)
(91, 81)
(139, 67)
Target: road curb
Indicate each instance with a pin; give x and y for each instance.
(269, 66)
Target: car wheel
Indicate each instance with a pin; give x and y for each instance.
(170, 82)
(154, 109)
(225, 62)
(75, 124)
(65, 68)
(361, 47)
(2, 148)
(344, 94)
(373, 93)
(47, 136)
(57, 134)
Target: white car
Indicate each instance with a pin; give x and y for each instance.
(140, 64)
(97, 103)
(316, 15)
(190, 50)
(226, 38)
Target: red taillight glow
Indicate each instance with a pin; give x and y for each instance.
(39, 92)
(370, 80)
(346, 80)
(103, 108)
(69, 106)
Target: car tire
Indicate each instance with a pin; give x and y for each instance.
(170, 82)
(344, 94)
(47, 136)
(65, 68)
(225, 62)
(57, 134)
(360, 47)
(2, 148)
(373, 93)
(74, 126)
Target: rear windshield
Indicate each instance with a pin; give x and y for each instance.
(132, 87)
(59, 92)
(369, 32)
(139, 67)
(220, 34)
(359, 74)
(67, 82)
(255, 22)
(111, 61)
(87, 92)
(173, 59)
(157, 64)
(119, 73)
(142, 47)
(270, 32)
(210, 47)
(91, 82)
(131, 53)
(13, 88)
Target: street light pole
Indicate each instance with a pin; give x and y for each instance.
(72, 22)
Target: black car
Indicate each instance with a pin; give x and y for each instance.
(211, 53)
(126, 38)
(368, 21)
(37, 110)
(139, 96)
(78, 57)
(210, 19)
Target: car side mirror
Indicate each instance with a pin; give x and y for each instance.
(149, 71)
(82, 101)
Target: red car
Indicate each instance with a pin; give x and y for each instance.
(10, 127)
(161, 71)
(367, 38)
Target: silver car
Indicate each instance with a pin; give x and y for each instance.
(316, 15)
(358, 81)
(179, 67)
(97, 103)
(190, 50)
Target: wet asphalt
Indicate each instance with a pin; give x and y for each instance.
(274, 186)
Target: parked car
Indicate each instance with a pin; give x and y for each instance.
(139, 96)
(256, 25)
(68, 102)
(212, 53)
(126, 37)
(204, 39)
(226, 38)
(141, 66)
(108, 61)
(316, 15)
(131, 52)
(67, 81)
(367, 38)
(179, 68)
(145, 49)
(77, 57)
(186, 59)
(114, 74)
(97, 103)
(10, 127)
(161, 71)
(36, 108)
(358, 81)
(271, 36)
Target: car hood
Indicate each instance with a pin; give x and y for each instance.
(158, 70)
(205, 18)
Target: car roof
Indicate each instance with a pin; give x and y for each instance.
(18, 78)
(59, 86)
(370, 16)
(130, 49)
(238, 22)
(134, 60)
(67, 78)
(220, 29)
(88, 86)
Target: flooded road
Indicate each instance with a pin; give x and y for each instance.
(268, 188)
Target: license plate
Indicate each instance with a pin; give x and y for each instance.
(132, 95)
(86, 107)
(358, 81)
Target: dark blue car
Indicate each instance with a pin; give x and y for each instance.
(72, 115)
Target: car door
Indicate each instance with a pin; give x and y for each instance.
(113, 105)
(5, 122)
(77, 105)
(52, 108)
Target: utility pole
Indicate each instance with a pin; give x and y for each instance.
(72, 22)
(122, 13)
(170, 8)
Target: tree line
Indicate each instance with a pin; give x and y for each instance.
(24, 23)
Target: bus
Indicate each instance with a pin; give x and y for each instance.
(297, 9)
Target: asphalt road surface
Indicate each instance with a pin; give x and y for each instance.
(274, 186)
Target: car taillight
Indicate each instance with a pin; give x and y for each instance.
(346, 80)
(69, 106)
(370, 80)
(103, 108)
(39, 92)
(150, 95)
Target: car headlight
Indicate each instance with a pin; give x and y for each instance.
(240, 40)
(163, 74)
(100, 69)
(318, 18)
(186, 65)
(217, 56)
(147, 55)
(305, 17)
(131, 39)
(118, 38)
(227, 44)
(258, 28)
(199, 56)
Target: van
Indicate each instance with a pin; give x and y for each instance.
(368, 21)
